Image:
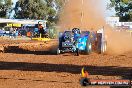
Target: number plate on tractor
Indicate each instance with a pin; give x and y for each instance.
(67, 44)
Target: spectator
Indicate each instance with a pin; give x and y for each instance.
(11, 32)
(14, 33)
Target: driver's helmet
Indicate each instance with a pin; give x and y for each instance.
(76, 30)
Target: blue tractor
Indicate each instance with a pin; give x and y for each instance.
(78, 41)
(74, 41)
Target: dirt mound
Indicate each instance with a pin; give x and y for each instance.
(13, 46)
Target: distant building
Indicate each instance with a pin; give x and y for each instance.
(114, 22)
(20, 21)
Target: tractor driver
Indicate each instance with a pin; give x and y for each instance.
(76, 35)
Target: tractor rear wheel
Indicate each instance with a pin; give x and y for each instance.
(77, 52)
(88, 47)
(101, 44)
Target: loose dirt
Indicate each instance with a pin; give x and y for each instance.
(26, 68)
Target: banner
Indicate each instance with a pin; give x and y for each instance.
(14, 25)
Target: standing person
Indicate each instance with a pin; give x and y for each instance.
(11, 32)
(41, 29)
(14, 33)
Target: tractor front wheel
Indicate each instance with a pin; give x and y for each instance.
(88, 47)
(58, 51)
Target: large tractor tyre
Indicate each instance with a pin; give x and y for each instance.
(101, 44)
(60, 43)
(104, 47)
(77, 52)
(85, 82)
(60, 40)
(88, 47)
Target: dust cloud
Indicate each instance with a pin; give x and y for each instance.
(118, 42)
(92, 13)
(89, 10)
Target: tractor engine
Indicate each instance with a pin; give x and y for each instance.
(68, 37)
(66, 41)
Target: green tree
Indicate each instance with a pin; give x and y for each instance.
(38, 9)
(5, 8)
(123, 9)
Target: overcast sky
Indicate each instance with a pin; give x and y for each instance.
(108, 12)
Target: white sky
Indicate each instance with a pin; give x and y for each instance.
(108, 12)
(14, 1)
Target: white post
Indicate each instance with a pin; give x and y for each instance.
(82, 14)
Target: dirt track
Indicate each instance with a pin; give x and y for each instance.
(32, 66)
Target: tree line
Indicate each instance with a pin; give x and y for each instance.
(49, 9)
(123, 9)
(32, 9)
